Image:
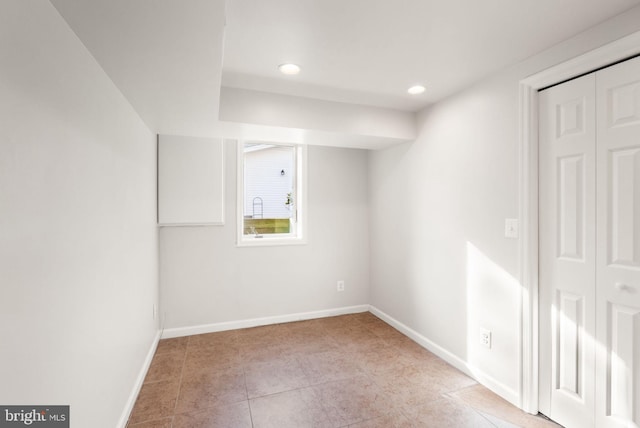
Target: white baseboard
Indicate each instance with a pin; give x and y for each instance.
(124, 418)
(499, 388)
(457, 362)
(255, 322)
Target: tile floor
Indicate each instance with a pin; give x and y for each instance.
(347, 371)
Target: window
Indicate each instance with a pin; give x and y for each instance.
(271, 193)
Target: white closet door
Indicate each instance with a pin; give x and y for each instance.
(567, 252)
(618, 260)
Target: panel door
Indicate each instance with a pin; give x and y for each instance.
(618, 259)
(567, 244)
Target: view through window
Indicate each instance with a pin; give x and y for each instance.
(270, 191)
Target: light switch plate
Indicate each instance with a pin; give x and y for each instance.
(511, 228)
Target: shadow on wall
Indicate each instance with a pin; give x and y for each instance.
(493, 298)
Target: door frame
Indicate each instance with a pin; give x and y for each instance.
(613, 52)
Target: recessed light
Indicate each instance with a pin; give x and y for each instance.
(416, 90)
(289, 68)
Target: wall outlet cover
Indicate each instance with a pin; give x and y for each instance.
(511, 228)
(485, 337)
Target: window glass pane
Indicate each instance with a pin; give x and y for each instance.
(269, 189)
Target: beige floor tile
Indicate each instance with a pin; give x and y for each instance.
(329, 366)
(273, 377)
(204, 389)
(299, 408)
(330, 372)
(441, 373)
(230, 416)
(351, 330)
(355, 342)
(161, 423)
(401, 391)
(178, 344)
(353, 400)
(331, 322)
(383, 330)
(212, 358)
(166, 365)
(446, 413)
(156, 400)
(262, 336)
(380, 359)
(391, 420)
(219, 339)
(487, 402)
(361, 317)
(412, 350)
(272, 352)
(499, 423)
(299, 344)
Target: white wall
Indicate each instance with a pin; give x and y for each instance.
(263, 108)
(78, 243)
(448, 270)
(206, 279)
(165, 56)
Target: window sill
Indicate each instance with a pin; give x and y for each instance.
(270, 242)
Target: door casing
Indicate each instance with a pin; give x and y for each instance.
(616, 51)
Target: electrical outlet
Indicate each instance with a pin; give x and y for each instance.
(340, 285)
(485, 337)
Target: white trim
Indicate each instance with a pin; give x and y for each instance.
(499, 388)
(255, 322)
(270, 241)
(528, 249)
(133, 396)
(528, 205)
(190, 224)
(457, 362)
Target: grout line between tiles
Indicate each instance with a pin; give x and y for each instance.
(184, 362)
(350, 340)
(482, 415)
(246, 388)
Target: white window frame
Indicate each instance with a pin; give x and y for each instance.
(299, 237)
